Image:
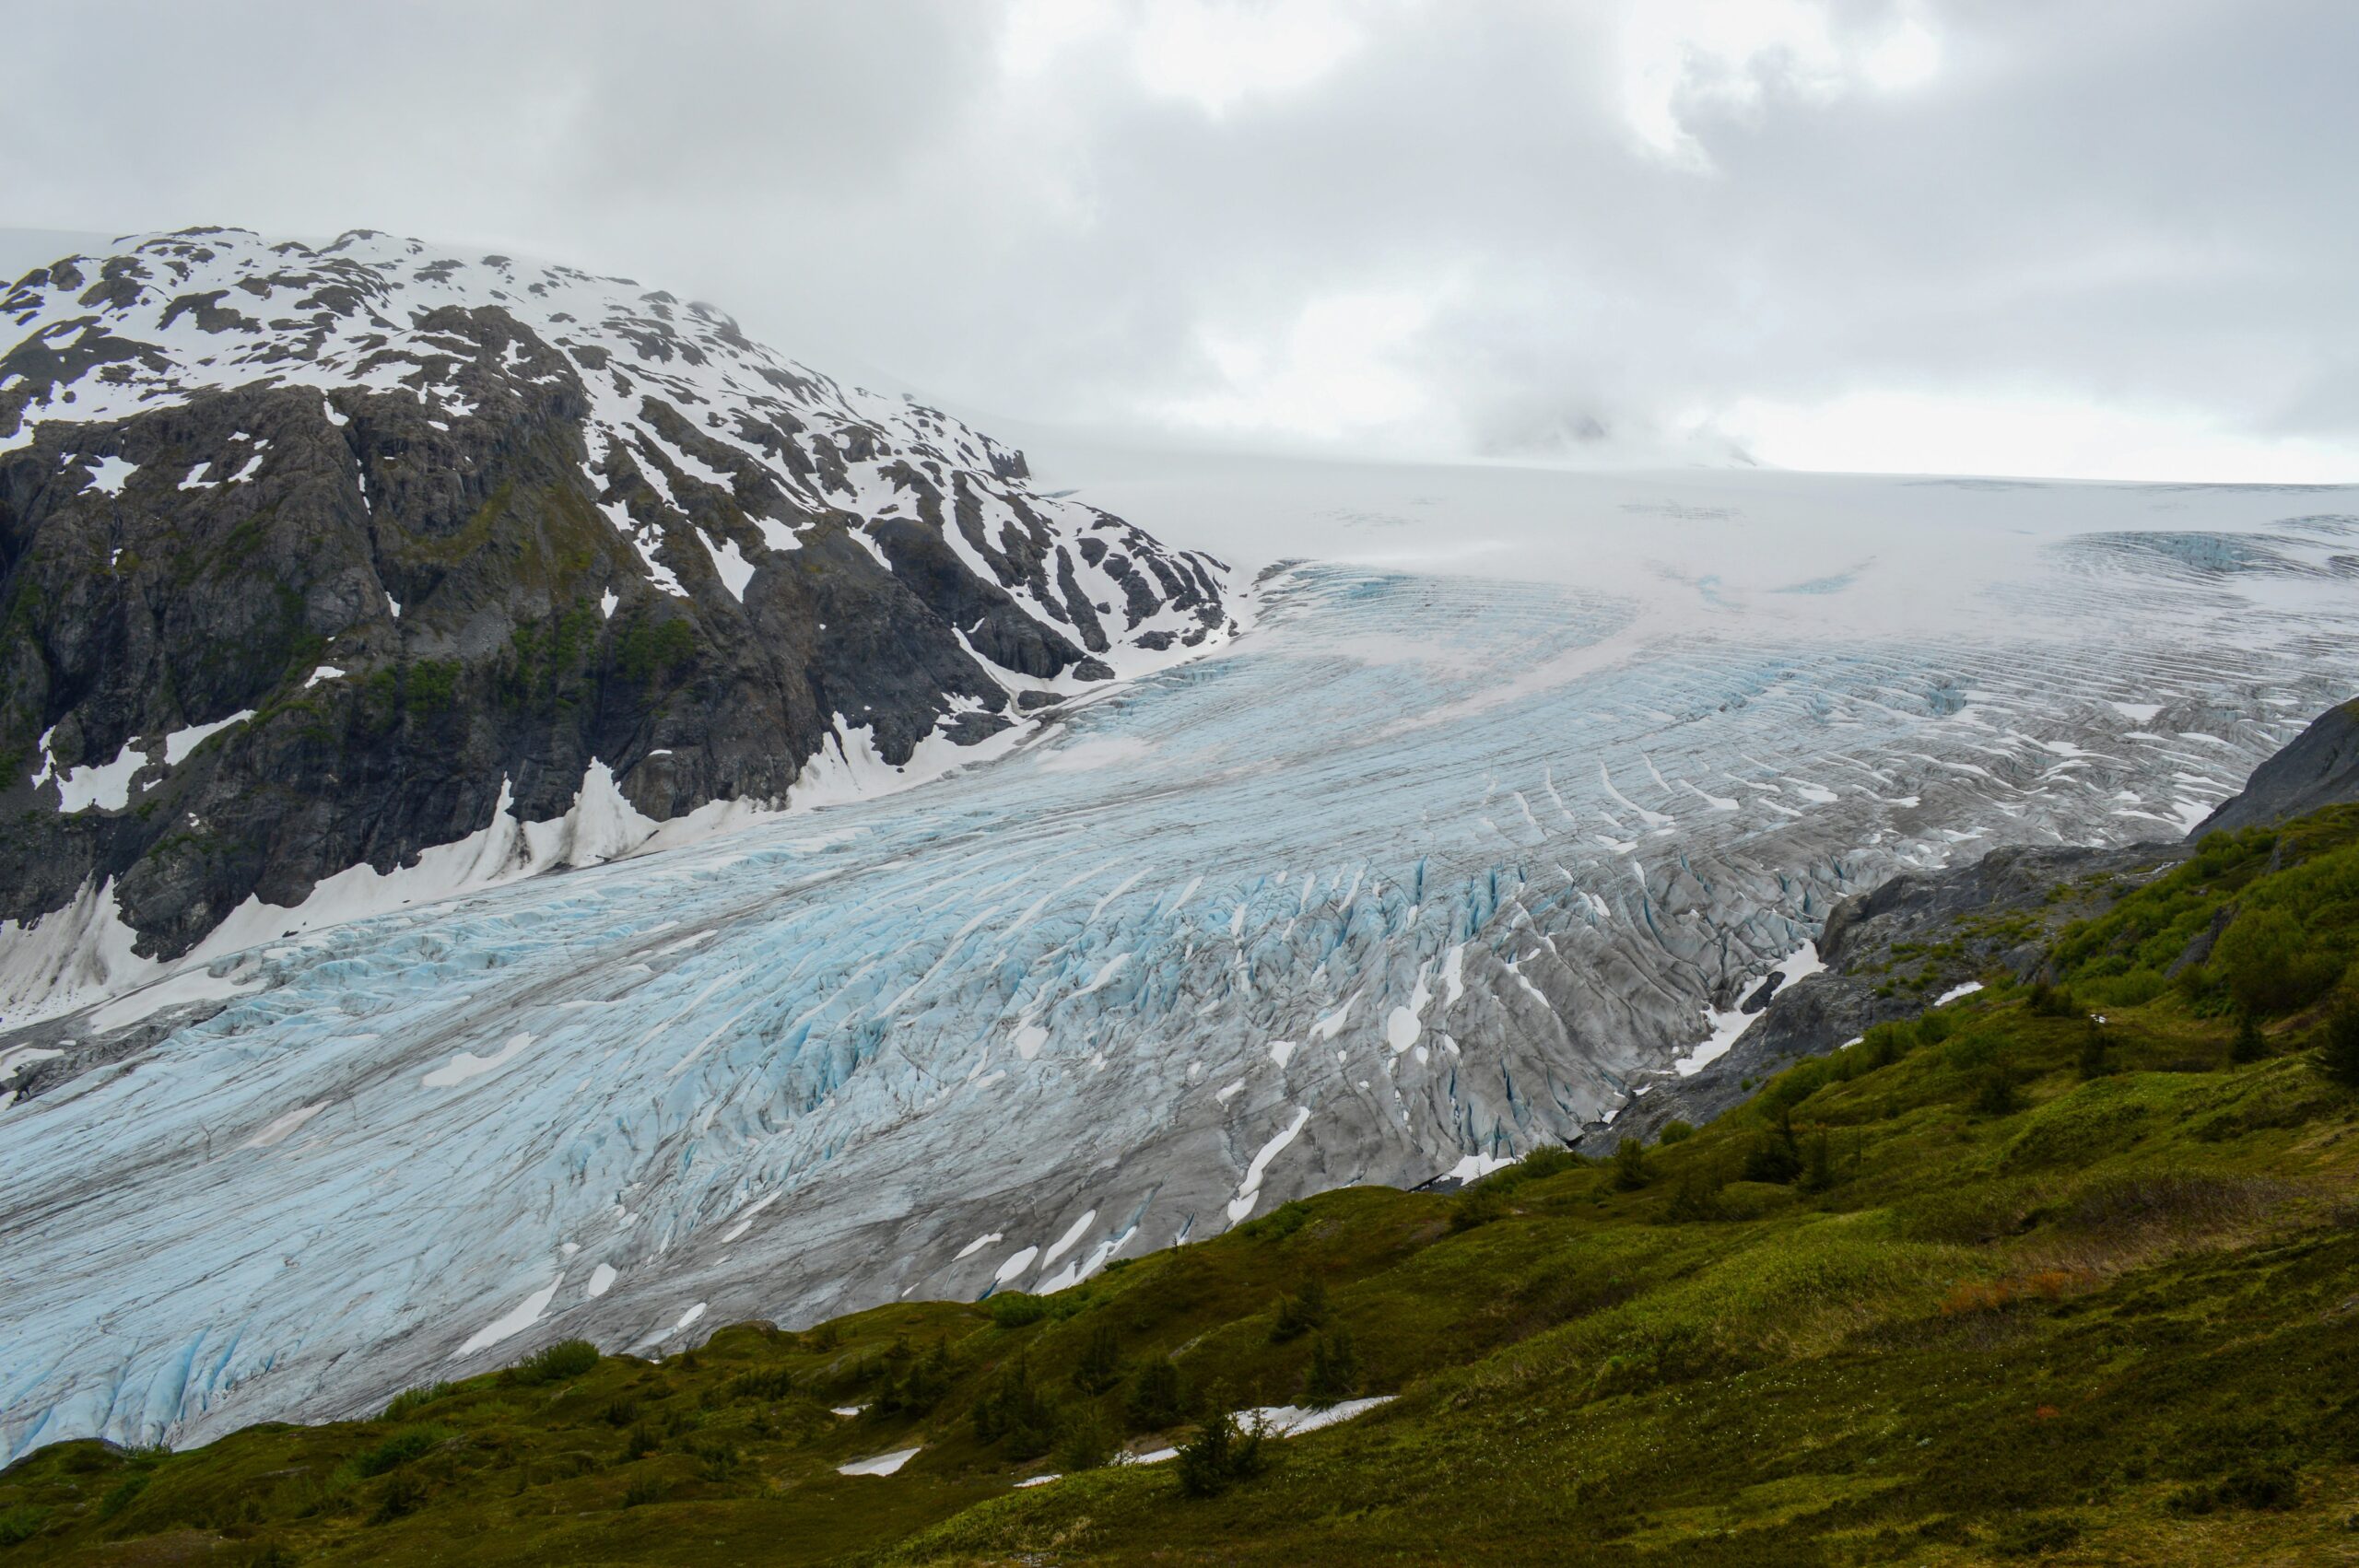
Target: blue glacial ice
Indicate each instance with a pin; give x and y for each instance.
(1424, 870)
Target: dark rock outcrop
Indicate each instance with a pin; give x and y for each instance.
(2321, 768)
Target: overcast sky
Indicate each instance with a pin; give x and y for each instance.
(2111, 238)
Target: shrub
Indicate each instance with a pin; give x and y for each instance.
(123, 1494)
(2249, 1046)
(1773, 1156)
(2268, 1484)
(645, 651)
(1478, 1205)
(644, 1491)
(1085, 1441)
(2133, 989)
(1014, 1309)
(918, 1387)
(1995, 1092)
(410, 1401)
(1548, 1160)
(1675, 1132)
(641, 1442)
(1975, 1047)
(1220, 1455)
(2034, 1535)
(1882, 1045)
(1933, 1028)
(1334, 1369)
(555, 1364)
(1697, 1197)
(1100, 1367)
(2338, 1058)
(21, 1523)
(397, 1450)
(1630, 1164)
(1012, 1413)
(1679, 1352)
(769, 1383)
(1794, 1085)
(403, 1494)
(1157, 1399)
(2268, 965)
(1298, 1313)
(1818, 1162)
(1278, 1223)
(2046, 1001)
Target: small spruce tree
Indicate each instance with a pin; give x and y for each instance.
(2340, 1056)
(1995, 1092)
(1818, 1164)
(1085, 1441)
(1334, 1369)
(1697, 1197)
(2248, 1044)
(1630, 1164)
(1221, 1453)
(1157, 1399)
(1100, 1367)
(1775, 1155)
(1300, 1313)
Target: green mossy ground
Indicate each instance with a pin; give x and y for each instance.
(2026, 1289)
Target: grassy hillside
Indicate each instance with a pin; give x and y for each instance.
(1999, 1284)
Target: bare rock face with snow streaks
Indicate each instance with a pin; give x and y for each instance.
(314, 560)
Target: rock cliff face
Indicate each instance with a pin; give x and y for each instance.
(2320, 768)
(312, 559)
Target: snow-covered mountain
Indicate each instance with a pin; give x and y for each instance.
(339, 577)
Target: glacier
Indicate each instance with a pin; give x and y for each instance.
(1478, 830)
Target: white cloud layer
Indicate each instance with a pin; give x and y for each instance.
(2004, 236)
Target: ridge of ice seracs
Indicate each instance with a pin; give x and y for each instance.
(1359, 899)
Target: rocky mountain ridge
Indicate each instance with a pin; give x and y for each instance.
(315, 559)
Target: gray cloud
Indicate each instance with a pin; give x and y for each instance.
(1471, 229)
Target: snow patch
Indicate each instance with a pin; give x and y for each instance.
(512, 1322)
(278, 1130)
(464, 1065)
(1249, 1191)
(1721, 1028)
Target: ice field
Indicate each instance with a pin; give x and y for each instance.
(1482, 825)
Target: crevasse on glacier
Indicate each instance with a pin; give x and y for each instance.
(1422, 870)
